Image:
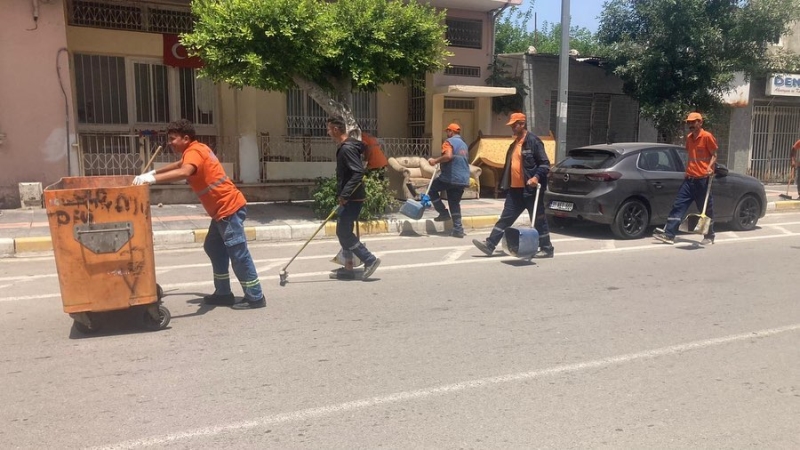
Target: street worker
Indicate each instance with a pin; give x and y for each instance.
(702, 149)
(225, 243)
(453, 178)
(795, 160)
(376, 159)
(526, 167)
(351, 193)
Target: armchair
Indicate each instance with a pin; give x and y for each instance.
(415, 171)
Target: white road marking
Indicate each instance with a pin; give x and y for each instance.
(783, 230)
(651, 245)
(454, 255)
(420, 394)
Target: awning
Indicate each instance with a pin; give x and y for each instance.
(461, 90)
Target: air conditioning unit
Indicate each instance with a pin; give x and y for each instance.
(30, 195)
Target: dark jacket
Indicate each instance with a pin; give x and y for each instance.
(534, 163)
(350, 170)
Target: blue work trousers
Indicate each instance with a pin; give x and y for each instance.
(515, 203)
(347, 239)
(692, 190)
(454, 194)
(226, 244)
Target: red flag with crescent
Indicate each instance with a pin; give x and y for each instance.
(175, 54)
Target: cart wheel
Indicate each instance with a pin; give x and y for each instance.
(159, 291)
(163, 317)
(92, 328)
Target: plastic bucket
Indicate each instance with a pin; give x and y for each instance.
(412, 209)
(521, 242)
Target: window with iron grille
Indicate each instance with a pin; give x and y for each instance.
(459, 103)
(416, 107)
(197, 97)
(129, 15)
(101, 89)
(464, 33)
(306, 118)
(463, 71)
(151, 90)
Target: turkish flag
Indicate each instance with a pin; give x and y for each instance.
(175, 54)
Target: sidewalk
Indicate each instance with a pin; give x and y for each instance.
(27, 230)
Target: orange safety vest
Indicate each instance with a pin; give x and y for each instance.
(217, 193)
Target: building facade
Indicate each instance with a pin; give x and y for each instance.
(93, 83)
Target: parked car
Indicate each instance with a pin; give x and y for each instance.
(631, 187)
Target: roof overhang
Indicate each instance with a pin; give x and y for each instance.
(473, 5)
(459, 90)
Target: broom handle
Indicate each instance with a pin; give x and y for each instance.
(708, 194)
(535, 204)
(430, 183)
(155, 153)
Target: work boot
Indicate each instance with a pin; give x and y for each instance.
(457, 233)
(708, 240)
(247, 304)
(369, 268)
(219, 299)
(484, 246)
(343, 274)
(544, 253)
(664, 238)
(442, 217)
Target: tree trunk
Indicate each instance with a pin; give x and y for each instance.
(333, 106)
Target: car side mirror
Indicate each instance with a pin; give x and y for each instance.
(720, 171)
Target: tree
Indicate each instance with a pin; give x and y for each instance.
(329, 49)
(513, 34)
(677, 56)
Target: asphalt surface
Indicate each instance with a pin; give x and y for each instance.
(611, 344)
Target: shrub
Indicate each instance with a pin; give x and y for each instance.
(379, 197)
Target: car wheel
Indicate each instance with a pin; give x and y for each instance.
(745, 216)
(631, 221)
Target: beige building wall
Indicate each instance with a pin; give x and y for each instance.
(393, 111)
(33, 119)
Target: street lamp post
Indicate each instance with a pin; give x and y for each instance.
(563, 85)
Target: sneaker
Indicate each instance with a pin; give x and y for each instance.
(251, 305)
(457, 234)
(484, 247)
(220, 299)
(369, 269)
(544, 253)
(664, 238)
(342, 274)
(707, 241)
(442, 217)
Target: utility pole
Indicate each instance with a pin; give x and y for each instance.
(563, 85)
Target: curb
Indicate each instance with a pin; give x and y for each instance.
(295, 232)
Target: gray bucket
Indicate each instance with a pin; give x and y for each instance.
(521, 242)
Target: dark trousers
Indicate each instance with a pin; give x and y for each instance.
(515, 203)
(347, 238)
(692, 190)
(797, 179)
(454, 194)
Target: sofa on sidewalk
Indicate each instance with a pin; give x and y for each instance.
(416, 172)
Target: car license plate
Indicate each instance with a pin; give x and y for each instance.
(561, 206)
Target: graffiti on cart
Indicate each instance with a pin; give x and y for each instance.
(89, 203)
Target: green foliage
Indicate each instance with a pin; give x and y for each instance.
(379, 197)
(500, 77)
(338, 46)
(514, 34)
(677, 56)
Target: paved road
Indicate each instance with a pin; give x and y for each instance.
(612, 344)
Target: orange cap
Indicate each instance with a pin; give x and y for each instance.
(454, 128)
(694, 116)
(516, 117)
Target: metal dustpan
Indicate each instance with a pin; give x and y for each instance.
(698, 223)
(523, 242)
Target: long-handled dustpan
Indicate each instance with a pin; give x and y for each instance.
(414, 209)
(786, 196)
(698, 223)
(523, 242)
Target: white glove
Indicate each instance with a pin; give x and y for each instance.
(145, 178)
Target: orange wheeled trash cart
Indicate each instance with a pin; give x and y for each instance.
(103, 246)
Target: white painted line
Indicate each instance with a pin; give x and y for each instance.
(420, 394)
(783, 230)
(454, 255)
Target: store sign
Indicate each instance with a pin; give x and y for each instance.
(785, 84)
(175, 54)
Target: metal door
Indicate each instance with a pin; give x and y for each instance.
(775, 130)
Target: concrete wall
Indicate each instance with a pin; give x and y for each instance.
(33, 115)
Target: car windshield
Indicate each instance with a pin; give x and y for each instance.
(588, 159)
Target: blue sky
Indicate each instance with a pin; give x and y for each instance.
(583, 13)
